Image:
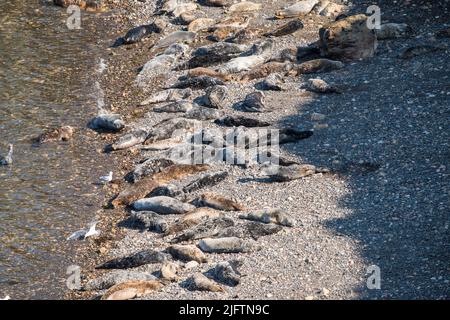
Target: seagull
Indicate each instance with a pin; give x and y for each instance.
(6, 298)
(83, 234)
(108, 178)
(4, 161)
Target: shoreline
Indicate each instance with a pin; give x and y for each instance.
(322, 257)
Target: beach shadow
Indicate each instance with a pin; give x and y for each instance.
(390, 143)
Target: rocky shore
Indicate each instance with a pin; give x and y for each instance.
(360, 178)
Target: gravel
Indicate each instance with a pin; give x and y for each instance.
(386, 139)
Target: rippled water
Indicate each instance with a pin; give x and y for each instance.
(47, 79)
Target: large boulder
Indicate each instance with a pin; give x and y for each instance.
(348, 39)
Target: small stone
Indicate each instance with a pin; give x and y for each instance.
(317, 116)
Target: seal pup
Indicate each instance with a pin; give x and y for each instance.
(64, 133)
(300, 8)
(226, 245)
(217, 202)
(7, 160)
(316, 66)
(238, 121)
(187, 253)
(170, 95)
(146, 185)
(135, 260)
(285, 29)
(197, 83)
(293, 172)
(201, 283)
(227, 272)
(206, 229)
(269, 216)
(162, 205)
(114, 277)
(132, 289)
(150, 220)
(320, 86)
(108, 122)
(254, 102)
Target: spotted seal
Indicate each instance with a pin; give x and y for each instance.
(132, 289)
(217, 202)
(201, 283)
(135, 260)
(187, 253)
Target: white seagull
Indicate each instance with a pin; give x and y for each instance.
(108, 178)
(6, 298)
(4, 161)
(83, 234)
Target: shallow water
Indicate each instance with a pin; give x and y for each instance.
(47, 79)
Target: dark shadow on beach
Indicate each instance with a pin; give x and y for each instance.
(388, 136)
